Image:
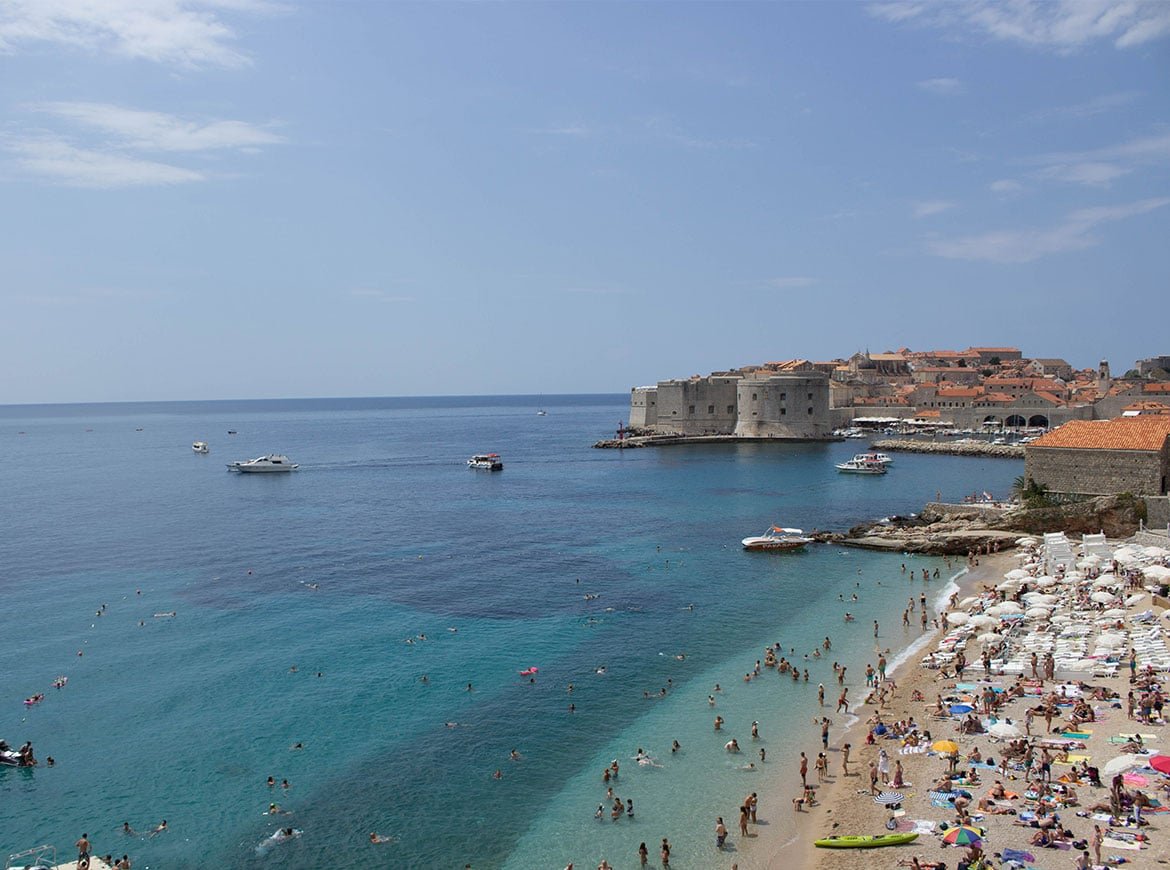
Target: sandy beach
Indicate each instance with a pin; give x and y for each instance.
(845, 805)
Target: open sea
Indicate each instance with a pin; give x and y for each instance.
(295, 597)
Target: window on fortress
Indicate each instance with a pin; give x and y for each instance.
(753, 397)
(810, 410)
(692, 410)
(731, 409)
(783, 411)
(810, 397)
(710, 409)
(783, 396)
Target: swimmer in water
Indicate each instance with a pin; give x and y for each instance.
(377, 840)
(159, 828)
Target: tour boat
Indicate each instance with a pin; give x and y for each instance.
(861, 466)
(200, 447)
(486, 461)
(271, 462)
(777, 538)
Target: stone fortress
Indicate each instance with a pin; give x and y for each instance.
(777, 400)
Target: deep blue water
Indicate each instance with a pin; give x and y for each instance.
(184, 718)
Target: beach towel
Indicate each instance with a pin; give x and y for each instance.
(1074, 759)
(1017, 855)
(1077, 735)
(912, 750)
(1111, 843)
(1131, 736)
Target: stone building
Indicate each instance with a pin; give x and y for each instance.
(768, 402)
(1103, 457)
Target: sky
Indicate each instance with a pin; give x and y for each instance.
(269, 198)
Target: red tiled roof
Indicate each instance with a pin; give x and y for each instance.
(995, 349)
(1049, 397)
(1156, 407)
(1159, 387)
(1002, 398)
(960, 393)
(1124, 433)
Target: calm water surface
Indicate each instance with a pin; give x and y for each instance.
(384, 535)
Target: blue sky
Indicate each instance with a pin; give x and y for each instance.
(252, 198)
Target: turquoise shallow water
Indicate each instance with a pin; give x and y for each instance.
(184, 718)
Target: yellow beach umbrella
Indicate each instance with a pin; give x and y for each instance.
(945, 746)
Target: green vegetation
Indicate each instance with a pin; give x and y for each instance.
(1030, 493)
(994, 361)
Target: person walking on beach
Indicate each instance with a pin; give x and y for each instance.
(843, 701)
(803, 769)
(752, 802)
(822, 767)
(665, 852)
(845, 758)
(720, 833)
(883, 766)
(825, 723)
(821, 694)
(743, 820)
(643, 854)
(873, 778)
(875, 628)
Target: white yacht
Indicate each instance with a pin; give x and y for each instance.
(883, 458)
(200, 447)
(270, 463)
(486, 461)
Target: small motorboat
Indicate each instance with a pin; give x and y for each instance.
(883, 458)
(486, 462)
(542, 413)
(861, 466)
(271, 463)
(200, 447)
(777, 538)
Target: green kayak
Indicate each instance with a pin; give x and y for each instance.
(857, 842)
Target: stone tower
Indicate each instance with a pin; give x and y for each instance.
(1104, 381)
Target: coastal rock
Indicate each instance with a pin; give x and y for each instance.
(954, 448)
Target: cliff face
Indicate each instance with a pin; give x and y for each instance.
(1118, 516)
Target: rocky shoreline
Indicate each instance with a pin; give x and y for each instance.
(952, 448)
(956, 530)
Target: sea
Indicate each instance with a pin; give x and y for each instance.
(359, 628)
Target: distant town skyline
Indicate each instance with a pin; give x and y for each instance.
(271, 198)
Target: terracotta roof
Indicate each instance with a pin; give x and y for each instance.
(1124, 433)
(1154, 407)
(960, 393)
(1049, 397)
(996, 349)
(1160, 387)
(1001, 398)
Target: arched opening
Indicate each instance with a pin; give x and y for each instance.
(1038, 421)
(1015, 421)
(992, 422)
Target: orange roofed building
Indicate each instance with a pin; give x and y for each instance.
(1103, 457)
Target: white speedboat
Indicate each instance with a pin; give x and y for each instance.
(542, 413)
(270, 463)
(777, 538)
(883, 458)
(200, 447)
(486, 461)
(861, 466)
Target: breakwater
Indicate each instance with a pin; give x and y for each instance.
(954, 448)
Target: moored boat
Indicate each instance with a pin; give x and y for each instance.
(883, 458)
(861, 466)
(863, 842)
(200, 447)
(777, 538)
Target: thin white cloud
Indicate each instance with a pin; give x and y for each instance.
(156, 131)
(58, 161)
(1087, 109)
(932, 207)
(791, 281)
(1006, 186)
(942, 87)
(183, 33)
(1062, 25)
(1100, 166)
(1023, 246)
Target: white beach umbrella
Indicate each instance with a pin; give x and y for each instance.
(968, 601)
(1004, 607)
(982, 620)
(1156, 572)
(1039, 598)
(990, 637)
(1037, 613)
(1134, 599)
(1026, 541)
(1102, 597)
(1016, 574)
(1114, 613)
(1105, 580)
(1005, 730)
(1155, 552)
(1127, 557)
(1090, 561)
(1045, 582)
(957, 617)
(1008, 586)
(1122, 763)
(1071, 579)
